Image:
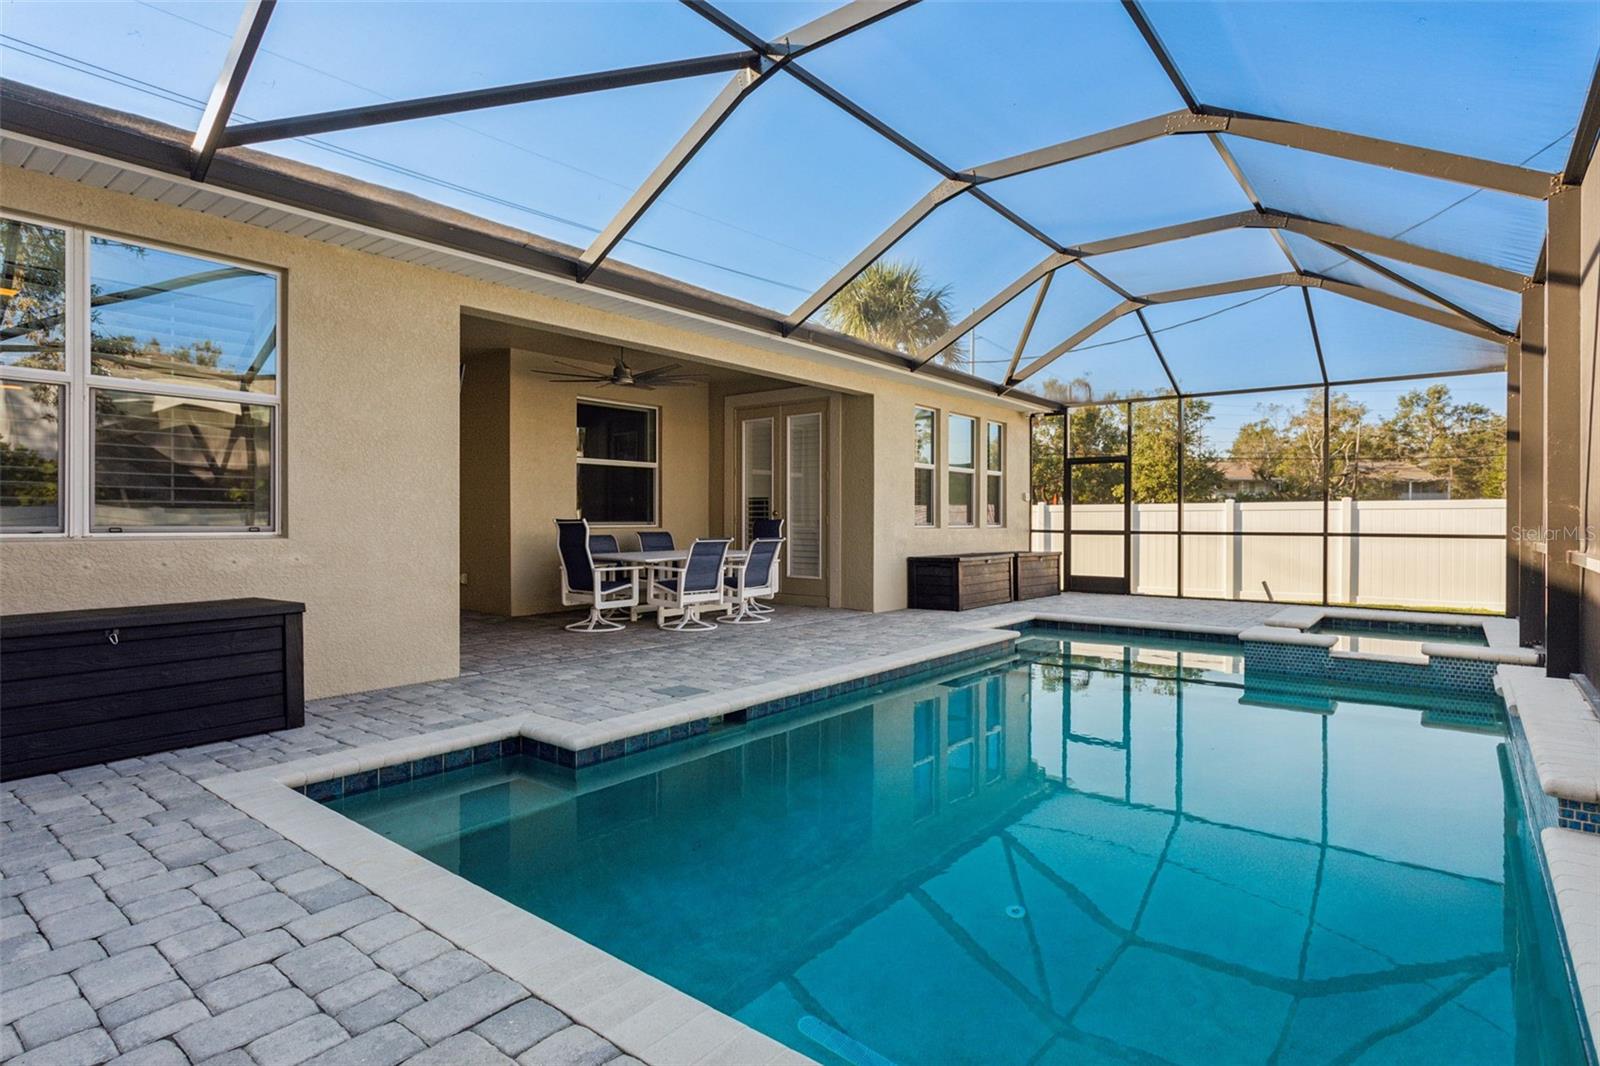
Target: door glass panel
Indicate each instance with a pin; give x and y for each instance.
(805, 495)
(756, 473)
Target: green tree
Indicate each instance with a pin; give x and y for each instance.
(893, 305)
(1102, 429)
(27, 479)
(1283, 448)
(1156, 446)
(1046, 458)
(1461, 444)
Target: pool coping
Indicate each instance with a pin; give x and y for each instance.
(1500, 632)
(1561, 734)
(640, 1014)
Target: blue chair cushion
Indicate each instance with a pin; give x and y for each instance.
(614, 584)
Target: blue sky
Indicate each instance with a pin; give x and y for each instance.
(791, 188)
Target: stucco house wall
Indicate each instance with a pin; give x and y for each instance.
(372, 437)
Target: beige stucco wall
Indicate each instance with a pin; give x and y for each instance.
(369, 465)
(371, 462)
(486, 483)
(894, 535)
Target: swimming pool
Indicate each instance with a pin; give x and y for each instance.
(1096, 849)
(1390, 638)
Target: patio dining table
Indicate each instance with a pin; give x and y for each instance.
(660, 557)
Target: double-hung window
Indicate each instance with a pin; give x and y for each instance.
(617, 464)
(994, 477)
(924, 467)
(963, 475)
(140, 387)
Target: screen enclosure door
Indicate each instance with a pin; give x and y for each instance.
(1098, 547)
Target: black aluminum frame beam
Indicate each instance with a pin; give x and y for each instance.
(1323, 232)
(942, 193)
(1180, 84)
(840, 22)
(741, 85)
(73, 125)
(1027, 327)
(769, 60)
(1299, 279)
(1406, 283)
(225, 93)
(478, 99)
(1374, 151)
(1585, 138)
(1195, 118)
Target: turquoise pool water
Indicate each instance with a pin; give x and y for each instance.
(1092, 851)
(1397, 640)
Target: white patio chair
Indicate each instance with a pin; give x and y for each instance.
(603, 587)
(757, 577)
(681, 593)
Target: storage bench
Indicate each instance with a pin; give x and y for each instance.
(85, 687)
(958, 582)
(1037, 574)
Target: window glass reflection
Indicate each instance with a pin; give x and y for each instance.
(161, 316)
(168, 462)
(30, 457)
(33, 295)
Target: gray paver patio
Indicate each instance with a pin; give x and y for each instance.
(142, 915)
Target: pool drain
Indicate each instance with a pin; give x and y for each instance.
(1016, 911)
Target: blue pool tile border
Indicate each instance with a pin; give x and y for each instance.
(1441, 674)
(1057, 625)
(1577, 815)
(428, 765)
(1339, 624)
(1275, 666)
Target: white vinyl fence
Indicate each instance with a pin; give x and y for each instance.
(1410, 572)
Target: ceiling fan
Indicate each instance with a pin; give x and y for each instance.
(622, 375)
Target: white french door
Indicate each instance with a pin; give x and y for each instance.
(783, 473)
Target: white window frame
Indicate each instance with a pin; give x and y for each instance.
(917, 464)
(77, 447)
(654, 465)
(951, 469)
(988, 474)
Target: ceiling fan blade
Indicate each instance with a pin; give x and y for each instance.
(587, 368)
(658, 371)
(580, 381)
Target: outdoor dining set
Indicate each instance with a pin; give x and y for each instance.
(680, 585)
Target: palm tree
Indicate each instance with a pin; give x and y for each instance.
(890, 304)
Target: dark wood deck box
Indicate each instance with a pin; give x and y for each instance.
(1037, 574)
(85, 687)
(958, 582)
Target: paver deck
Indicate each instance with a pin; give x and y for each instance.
(145, 920)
